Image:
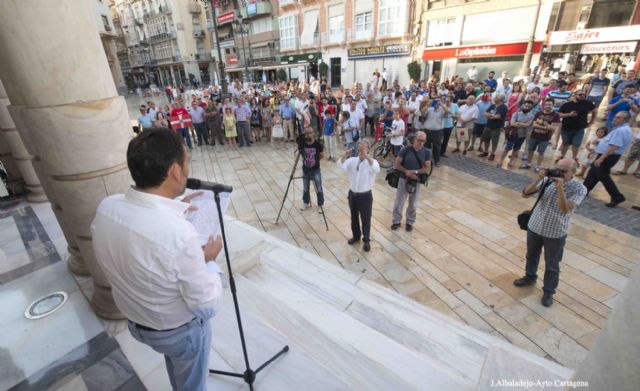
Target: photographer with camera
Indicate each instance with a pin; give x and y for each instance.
(311, 152)
(362, 170)
(549, 223)
(162, 279)
(413, 163)
(432, 121)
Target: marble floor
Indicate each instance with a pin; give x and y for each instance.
(455, 269)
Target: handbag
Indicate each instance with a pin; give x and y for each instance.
(524, 217)
(392, 177)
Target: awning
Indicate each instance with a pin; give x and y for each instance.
(260, 44)
(282, 66)
(310, 25)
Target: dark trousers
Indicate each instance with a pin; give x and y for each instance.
(244, 134)
(360, 206)
(372, 121)
(446, 134)
(201, 132)
(316, 177)
(553, 249)
(603, 174)
(434, 142)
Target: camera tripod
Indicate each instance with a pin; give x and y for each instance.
(291, 178)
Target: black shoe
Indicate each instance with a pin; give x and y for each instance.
(353, 240)
(366, 247)
(613, 204)
(409, 227)
(395, 226)
(524, 281)
(547, 299)
(443, 155)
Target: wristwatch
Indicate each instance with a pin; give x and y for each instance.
(416, 172)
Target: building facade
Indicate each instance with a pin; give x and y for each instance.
(166, 40)
(108, 31)
(248, 35)
(352, 38)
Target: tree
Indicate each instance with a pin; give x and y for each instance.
(324, 69)
(414, 70)
(282, 75)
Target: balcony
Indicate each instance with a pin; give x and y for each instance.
(292, 43)
(177, 58)
(285, 3)
(358, 35)
(333, 39)
(150, 63)
(194, 7)
(138, 21)
(164, 9)
(162, 36)
(252, 10)
(315, 42)
(199, 33)
(203, 56)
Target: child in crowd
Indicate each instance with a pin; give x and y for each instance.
(277, 133)
(591, 150)
(229, 124)
(328, 128)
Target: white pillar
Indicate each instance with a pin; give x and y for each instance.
(613, 362)
(21, 157)
(80, 125)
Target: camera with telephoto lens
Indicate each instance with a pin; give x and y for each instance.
(553, 173)
(301, 140)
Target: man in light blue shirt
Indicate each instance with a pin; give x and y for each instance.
(608, 151)
(144, 121)
(288, 114)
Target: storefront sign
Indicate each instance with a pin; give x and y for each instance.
(613, 47)
(232, 59)
(509, 49)
(403, 49)
(300, 58)
(226, 17)
(228, 43)
(609, 34)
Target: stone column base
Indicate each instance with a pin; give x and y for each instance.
(75, 263)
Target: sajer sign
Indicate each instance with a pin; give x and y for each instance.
(509, 49)
(608, 34)
(402, 49)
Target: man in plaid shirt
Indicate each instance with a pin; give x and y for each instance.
(549, 224)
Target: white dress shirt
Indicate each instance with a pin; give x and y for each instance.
(152, 257)
(361, 175)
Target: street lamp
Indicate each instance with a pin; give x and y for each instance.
(240, 28)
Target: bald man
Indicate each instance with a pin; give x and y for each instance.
(549, 223)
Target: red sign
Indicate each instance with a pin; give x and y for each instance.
(180, 121)
(226, 17)
(508, 49)
(232, 59)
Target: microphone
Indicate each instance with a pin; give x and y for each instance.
(197, 184)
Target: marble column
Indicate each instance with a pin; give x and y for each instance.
(80, 125)
(22, 159)
(612, 363)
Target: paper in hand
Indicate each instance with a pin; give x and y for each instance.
(205, 218)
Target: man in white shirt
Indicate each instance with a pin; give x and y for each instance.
(398, 130)
(466, 116)
(362, 170)
(472, 74)
(535, 83)
(163, 280)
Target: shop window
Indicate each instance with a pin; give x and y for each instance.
(611, 13)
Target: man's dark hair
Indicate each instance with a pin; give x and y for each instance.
(562, 83)
(151, 153)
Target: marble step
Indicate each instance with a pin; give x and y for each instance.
(360, 356)
(294, 370)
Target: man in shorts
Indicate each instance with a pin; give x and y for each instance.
(575, 119)
(466, 116)
(544, 126)
(522, 122)
(495, 123)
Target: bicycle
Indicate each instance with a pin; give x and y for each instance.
(383, 149)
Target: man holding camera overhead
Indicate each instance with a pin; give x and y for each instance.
(549, 223)
(414, 163)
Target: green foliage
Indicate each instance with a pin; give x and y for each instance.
(282, 75)
(414, 70)
(324, 69)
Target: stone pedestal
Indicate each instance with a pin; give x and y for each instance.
(612, 364)
(58, 71)
(21, 157)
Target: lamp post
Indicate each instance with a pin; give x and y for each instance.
(221, 76)
(240, 28)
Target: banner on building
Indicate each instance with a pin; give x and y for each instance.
(508, 49)
(611, 47)
(402, 49)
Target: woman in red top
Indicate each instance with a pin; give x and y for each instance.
(515, 100)
(178, 109)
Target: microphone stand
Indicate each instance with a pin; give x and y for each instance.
(249, 375)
